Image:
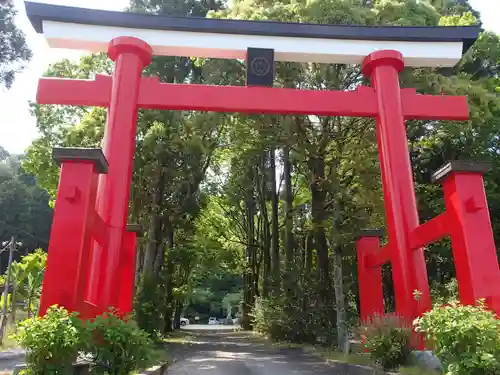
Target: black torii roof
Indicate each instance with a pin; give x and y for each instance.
(39, 12)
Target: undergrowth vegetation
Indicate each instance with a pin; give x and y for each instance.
(115, 345)
(387, 339)
(286, 320)
(465, 338)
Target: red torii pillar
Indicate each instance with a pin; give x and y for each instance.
(467, 222)
(409, 270)
(126, 91)
(75, 226)
(66, 274)
(130, 55)
(466, 218)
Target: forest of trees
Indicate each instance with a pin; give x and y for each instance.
(24, 208)
(268, 207)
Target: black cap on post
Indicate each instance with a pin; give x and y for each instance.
(374, 232)
(135, 228)
(459, 166)
(260, 67)
(95, 155)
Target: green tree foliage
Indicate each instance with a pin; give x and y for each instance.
(65, 125)
(24, 210)
(173, 153)
(274, 202)
(27, 276)
(14, 52)
(334, 159)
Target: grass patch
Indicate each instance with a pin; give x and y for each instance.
(416, 371)
(286, 344)
(333, 355)
(330, 354)
(322, 352)
(8, 341)
(178, 337)
(161, 355)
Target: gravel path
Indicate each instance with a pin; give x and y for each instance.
(11, 358)
(212, 352)
(225, 353)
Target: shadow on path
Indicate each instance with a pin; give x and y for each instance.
(228, 353)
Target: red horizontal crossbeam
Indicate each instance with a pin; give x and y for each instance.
(429, 232)
(99, 229)
(381, 257)
(155, 95)
(426, 233)
(81, 92)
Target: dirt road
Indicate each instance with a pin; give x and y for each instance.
(228, 353)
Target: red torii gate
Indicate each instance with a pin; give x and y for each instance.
(92, 252)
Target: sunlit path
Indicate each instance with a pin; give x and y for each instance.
(226, 353)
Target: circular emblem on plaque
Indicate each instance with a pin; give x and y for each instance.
(260, 66)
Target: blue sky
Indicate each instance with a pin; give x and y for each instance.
(17, 126)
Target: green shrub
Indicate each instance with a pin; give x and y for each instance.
(268, 319)
(150, 306)
(117, 346)
(465, 338)
(387, 339)
(442, 293)
(51, 342)
(290, 319)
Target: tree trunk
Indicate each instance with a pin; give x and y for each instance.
(275, 235)
(309, 254)
(168, 235)
(177, 314)
(288, 238)
(249, 286)
(342, 334)
(13, 303)
(169, 305)
(354, 280)
(169, 274)
(306, 276)
(265, 235)
(318, 194)
(154, 232)
(139, 263)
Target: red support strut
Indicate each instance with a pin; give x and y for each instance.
(127, 269)
(474, 251)
(66, 275)
(371, 298)
(126, 274)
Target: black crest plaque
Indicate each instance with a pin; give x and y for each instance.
(260, 67)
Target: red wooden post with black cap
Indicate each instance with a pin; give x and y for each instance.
(66, 275)
(469, 226)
